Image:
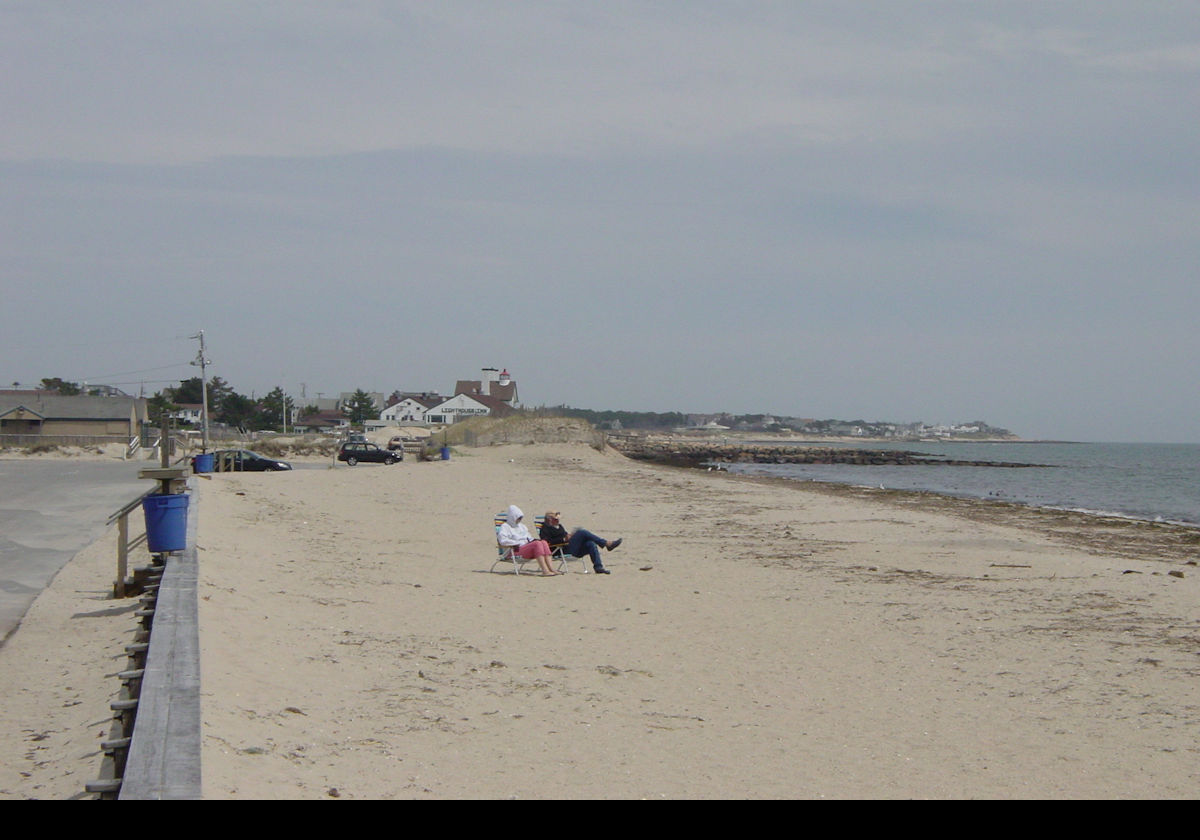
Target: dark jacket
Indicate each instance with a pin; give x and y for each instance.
(553, 534)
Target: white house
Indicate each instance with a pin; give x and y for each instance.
(410, 410)
(460, 407)
(189, 413)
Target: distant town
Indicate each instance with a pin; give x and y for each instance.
(59, 407)
(775, 424)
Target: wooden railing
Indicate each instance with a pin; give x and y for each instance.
(125, 543)
(153, 748)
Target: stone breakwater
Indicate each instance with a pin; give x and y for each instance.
(697, 453)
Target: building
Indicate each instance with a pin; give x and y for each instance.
(38, 414)
(463, 406)
(411, 408)
(494, 394)
(190, 413)
(492, 383)
(325, 421)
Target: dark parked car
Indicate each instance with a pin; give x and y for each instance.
(352, 453)
(243, 460)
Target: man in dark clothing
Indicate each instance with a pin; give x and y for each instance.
(579, 543)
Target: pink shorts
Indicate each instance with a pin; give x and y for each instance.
(537, 548)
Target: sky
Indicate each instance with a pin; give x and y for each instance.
(937, 211)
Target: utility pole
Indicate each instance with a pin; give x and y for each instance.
(203, 363)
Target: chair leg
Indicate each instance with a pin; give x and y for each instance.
(564, 559)
(507, 557)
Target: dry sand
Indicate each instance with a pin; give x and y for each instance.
(58, 675)
(755, 639)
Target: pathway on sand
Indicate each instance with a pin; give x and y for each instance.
(49, 510)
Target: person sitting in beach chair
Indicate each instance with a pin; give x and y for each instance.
(513, 536)
(581, 541)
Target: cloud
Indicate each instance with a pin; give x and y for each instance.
(820, 209)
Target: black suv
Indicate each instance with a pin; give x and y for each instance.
(354, 452)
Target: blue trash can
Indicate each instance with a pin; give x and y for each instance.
(445, 453)
(204, 463)
(166, 522)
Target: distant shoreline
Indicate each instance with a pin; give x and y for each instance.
(768, 437)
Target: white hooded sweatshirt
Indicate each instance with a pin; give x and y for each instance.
(513, 531)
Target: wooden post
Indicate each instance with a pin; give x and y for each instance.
(165, 455)
(122, 554)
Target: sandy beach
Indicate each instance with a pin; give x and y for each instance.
(57, 677)
(755, 639)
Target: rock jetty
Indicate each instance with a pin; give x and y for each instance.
(692, 453)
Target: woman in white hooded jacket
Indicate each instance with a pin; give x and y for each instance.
(516, 536)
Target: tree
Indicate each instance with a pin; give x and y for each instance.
(190, 392)
(273, 408)
(218, 390)
(237, 410)
(158, 406)
(62, 386)
(360, 408)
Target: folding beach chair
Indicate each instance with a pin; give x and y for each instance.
(506, 554)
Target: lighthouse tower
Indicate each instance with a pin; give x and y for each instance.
(498, 384)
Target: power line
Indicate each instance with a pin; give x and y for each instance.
(140, 342)
(131, 372)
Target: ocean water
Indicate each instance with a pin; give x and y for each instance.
(1159, 482)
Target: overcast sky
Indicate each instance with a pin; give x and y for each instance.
(937, 211)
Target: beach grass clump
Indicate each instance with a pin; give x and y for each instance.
(298, 447)
(518, 428)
